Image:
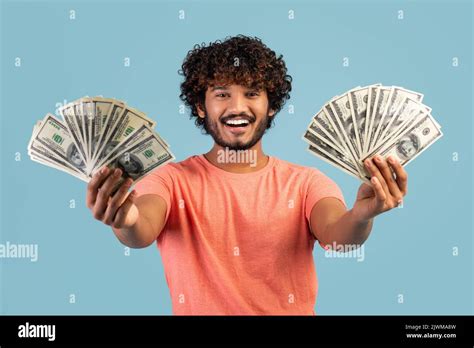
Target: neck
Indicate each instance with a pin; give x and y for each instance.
(238, 161)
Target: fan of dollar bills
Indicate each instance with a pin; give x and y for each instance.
(368, 121)
(95, 132)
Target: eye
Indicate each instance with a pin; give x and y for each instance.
(221, 95)
(253, 94)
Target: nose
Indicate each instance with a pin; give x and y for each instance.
(237, 104)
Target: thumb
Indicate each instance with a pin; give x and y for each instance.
(365, 191)
(127, 214)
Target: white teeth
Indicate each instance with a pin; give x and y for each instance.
(237, 122)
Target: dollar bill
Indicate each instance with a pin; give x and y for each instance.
(54, 136)
(98, 131)
(143, 132)
(321, 126)
(47, 162)
(381, 101)
(371, 98)
(358, 100)
(140, 159)
(396, 97)
(343, 138)
(330, 152)
(126, 124)
(406, 111)
(324, 156)
(117, 109)
(102, 107)
(371, 120)
(414, 140)
(347, 122)
(68, 113)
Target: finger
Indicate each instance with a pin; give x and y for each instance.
(116, 201)
(387, 173)
(111, 183)
(104, 194)
(94, 184)
(401, 174)
(380, 193)
(374, 171)
(122, 212)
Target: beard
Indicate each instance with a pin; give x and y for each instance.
(211, 127)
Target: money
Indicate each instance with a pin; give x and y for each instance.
(368, 121)
(97, 132)
(143, 155)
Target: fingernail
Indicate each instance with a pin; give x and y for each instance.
(378, 158)
(104, 170)
(367, 163)
(117, 172)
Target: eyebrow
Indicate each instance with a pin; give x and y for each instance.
(218, 87)
(225, 88)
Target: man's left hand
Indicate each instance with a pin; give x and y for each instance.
(389, 186)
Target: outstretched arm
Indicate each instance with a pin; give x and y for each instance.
(332, 224)
(136, 222)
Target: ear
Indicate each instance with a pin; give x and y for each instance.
(200, 111)
(271, 112)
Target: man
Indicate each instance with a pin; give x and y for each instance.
(238, 238)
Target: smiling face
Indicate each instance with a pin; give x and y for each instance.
(235, 116)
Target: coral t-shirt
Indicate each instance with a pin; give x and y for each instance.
(239, 244)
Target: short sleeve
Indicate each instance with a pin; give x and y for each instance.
(320, 186)
(158, 182)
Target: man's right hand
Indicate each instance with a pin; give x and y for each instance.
(117, 210)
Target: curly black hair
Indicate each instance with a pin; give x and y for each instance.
(241, 60)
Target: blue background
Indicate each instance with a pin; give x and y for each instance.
(410, 250)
